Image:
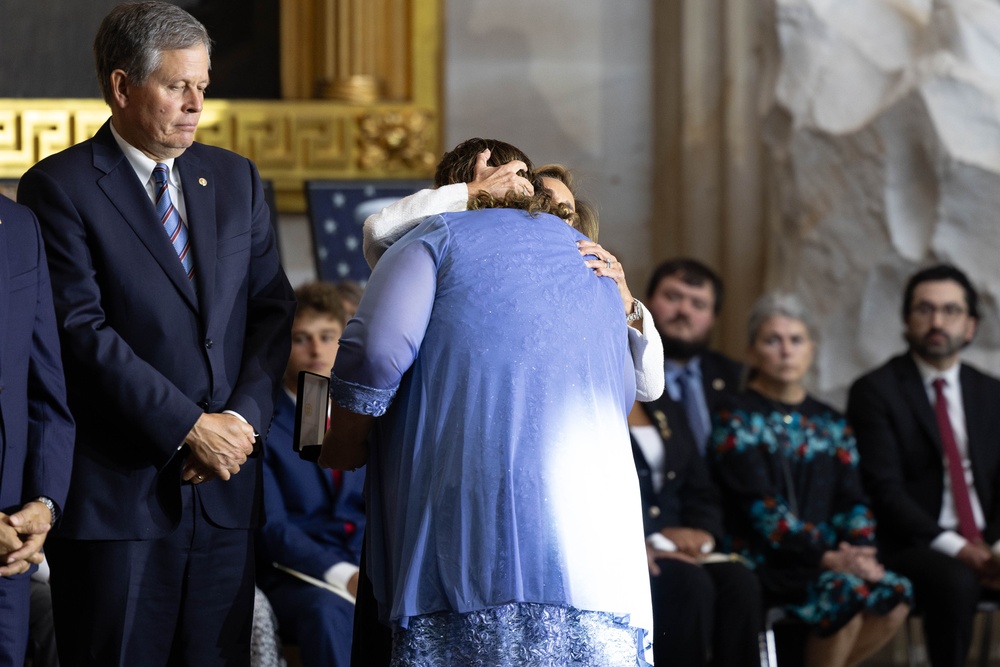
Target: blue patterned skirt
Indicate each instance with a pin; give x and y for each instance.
(835, 598)
(519, 635)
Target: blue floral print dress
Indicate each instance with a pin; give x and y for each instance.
(791, 488)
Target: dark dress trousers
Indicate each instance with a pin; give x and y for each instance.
(698, 610)
(902, 467)
(36, 429)
(147, 351)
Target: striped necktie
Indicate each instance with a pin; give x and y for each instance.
(171, 219)
(694, 407)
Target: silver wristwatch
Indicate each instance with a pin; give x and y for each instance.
(636, 313)
(51, 505)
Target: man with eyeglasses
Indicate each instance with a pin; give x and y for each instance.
(928, 431)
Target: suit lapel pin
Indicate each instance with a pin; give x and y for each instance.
(661, 421)
(202, 182)
(718, 384)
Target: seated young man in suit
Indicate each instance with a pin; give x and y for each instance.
(315, 517)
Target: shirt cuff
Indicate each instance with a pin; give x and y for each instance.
(340, 574)
(661, 542)
(235, 414)
(949, 542)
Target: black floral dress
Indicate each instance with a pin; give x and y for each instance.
(790, 484)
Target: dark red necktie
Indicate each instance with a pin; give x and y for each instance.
(956, 471)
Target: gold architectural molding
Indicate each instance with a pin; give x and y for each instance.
(291, 142)
(397, 136)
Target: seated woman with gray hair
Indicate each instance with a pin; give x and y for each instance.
(787, 466)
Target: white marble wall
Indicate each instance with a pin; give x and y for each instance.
(566, 81)
(883, 122)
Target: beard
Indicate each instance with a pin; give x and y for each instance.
(675, 348)
(935, 350)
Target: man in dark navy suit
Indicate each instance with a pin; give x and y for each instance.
(699, 610)
(36, 438)
(684, 297)
(315, 517)
(928, 430)
(174, 317)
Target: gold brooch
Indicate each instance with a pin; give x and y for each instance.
(661, 420)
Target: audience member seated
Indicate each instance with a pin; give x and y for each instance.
(928, 430)
(787, 466)
(706, 609)
(315, 519)
(684, 298)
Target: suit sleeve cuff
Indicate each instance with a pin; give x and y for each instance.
(949, 542)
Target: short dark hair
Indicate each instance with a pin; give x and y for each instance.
(133, 36)
(936, 273)
(692, 272)
(459, 166)
(320, 297)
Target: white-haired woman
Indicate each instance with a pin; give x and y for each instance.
(794, 505)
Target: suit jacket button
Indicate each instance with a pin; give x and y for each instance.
(203, 405)
(654, 512)
(208, 343)
(671, 475)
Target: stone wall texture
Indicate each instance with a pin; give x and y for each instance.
(882, 123)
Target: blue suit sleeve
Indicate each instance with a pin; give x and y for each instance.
(50, 425)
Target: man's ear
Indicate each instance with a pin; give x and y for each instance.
(119, 88)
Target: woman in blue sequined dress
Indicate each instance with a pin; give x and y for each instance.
(787, 466)
(503, 507)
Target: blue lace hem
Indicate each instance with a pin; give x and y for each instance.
(520, 634)
(359, 398)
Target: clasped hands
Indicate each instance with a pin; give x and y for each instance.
(983, 561)
(22, 535)
(861, 561)
(220, 443)
(691, 544)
